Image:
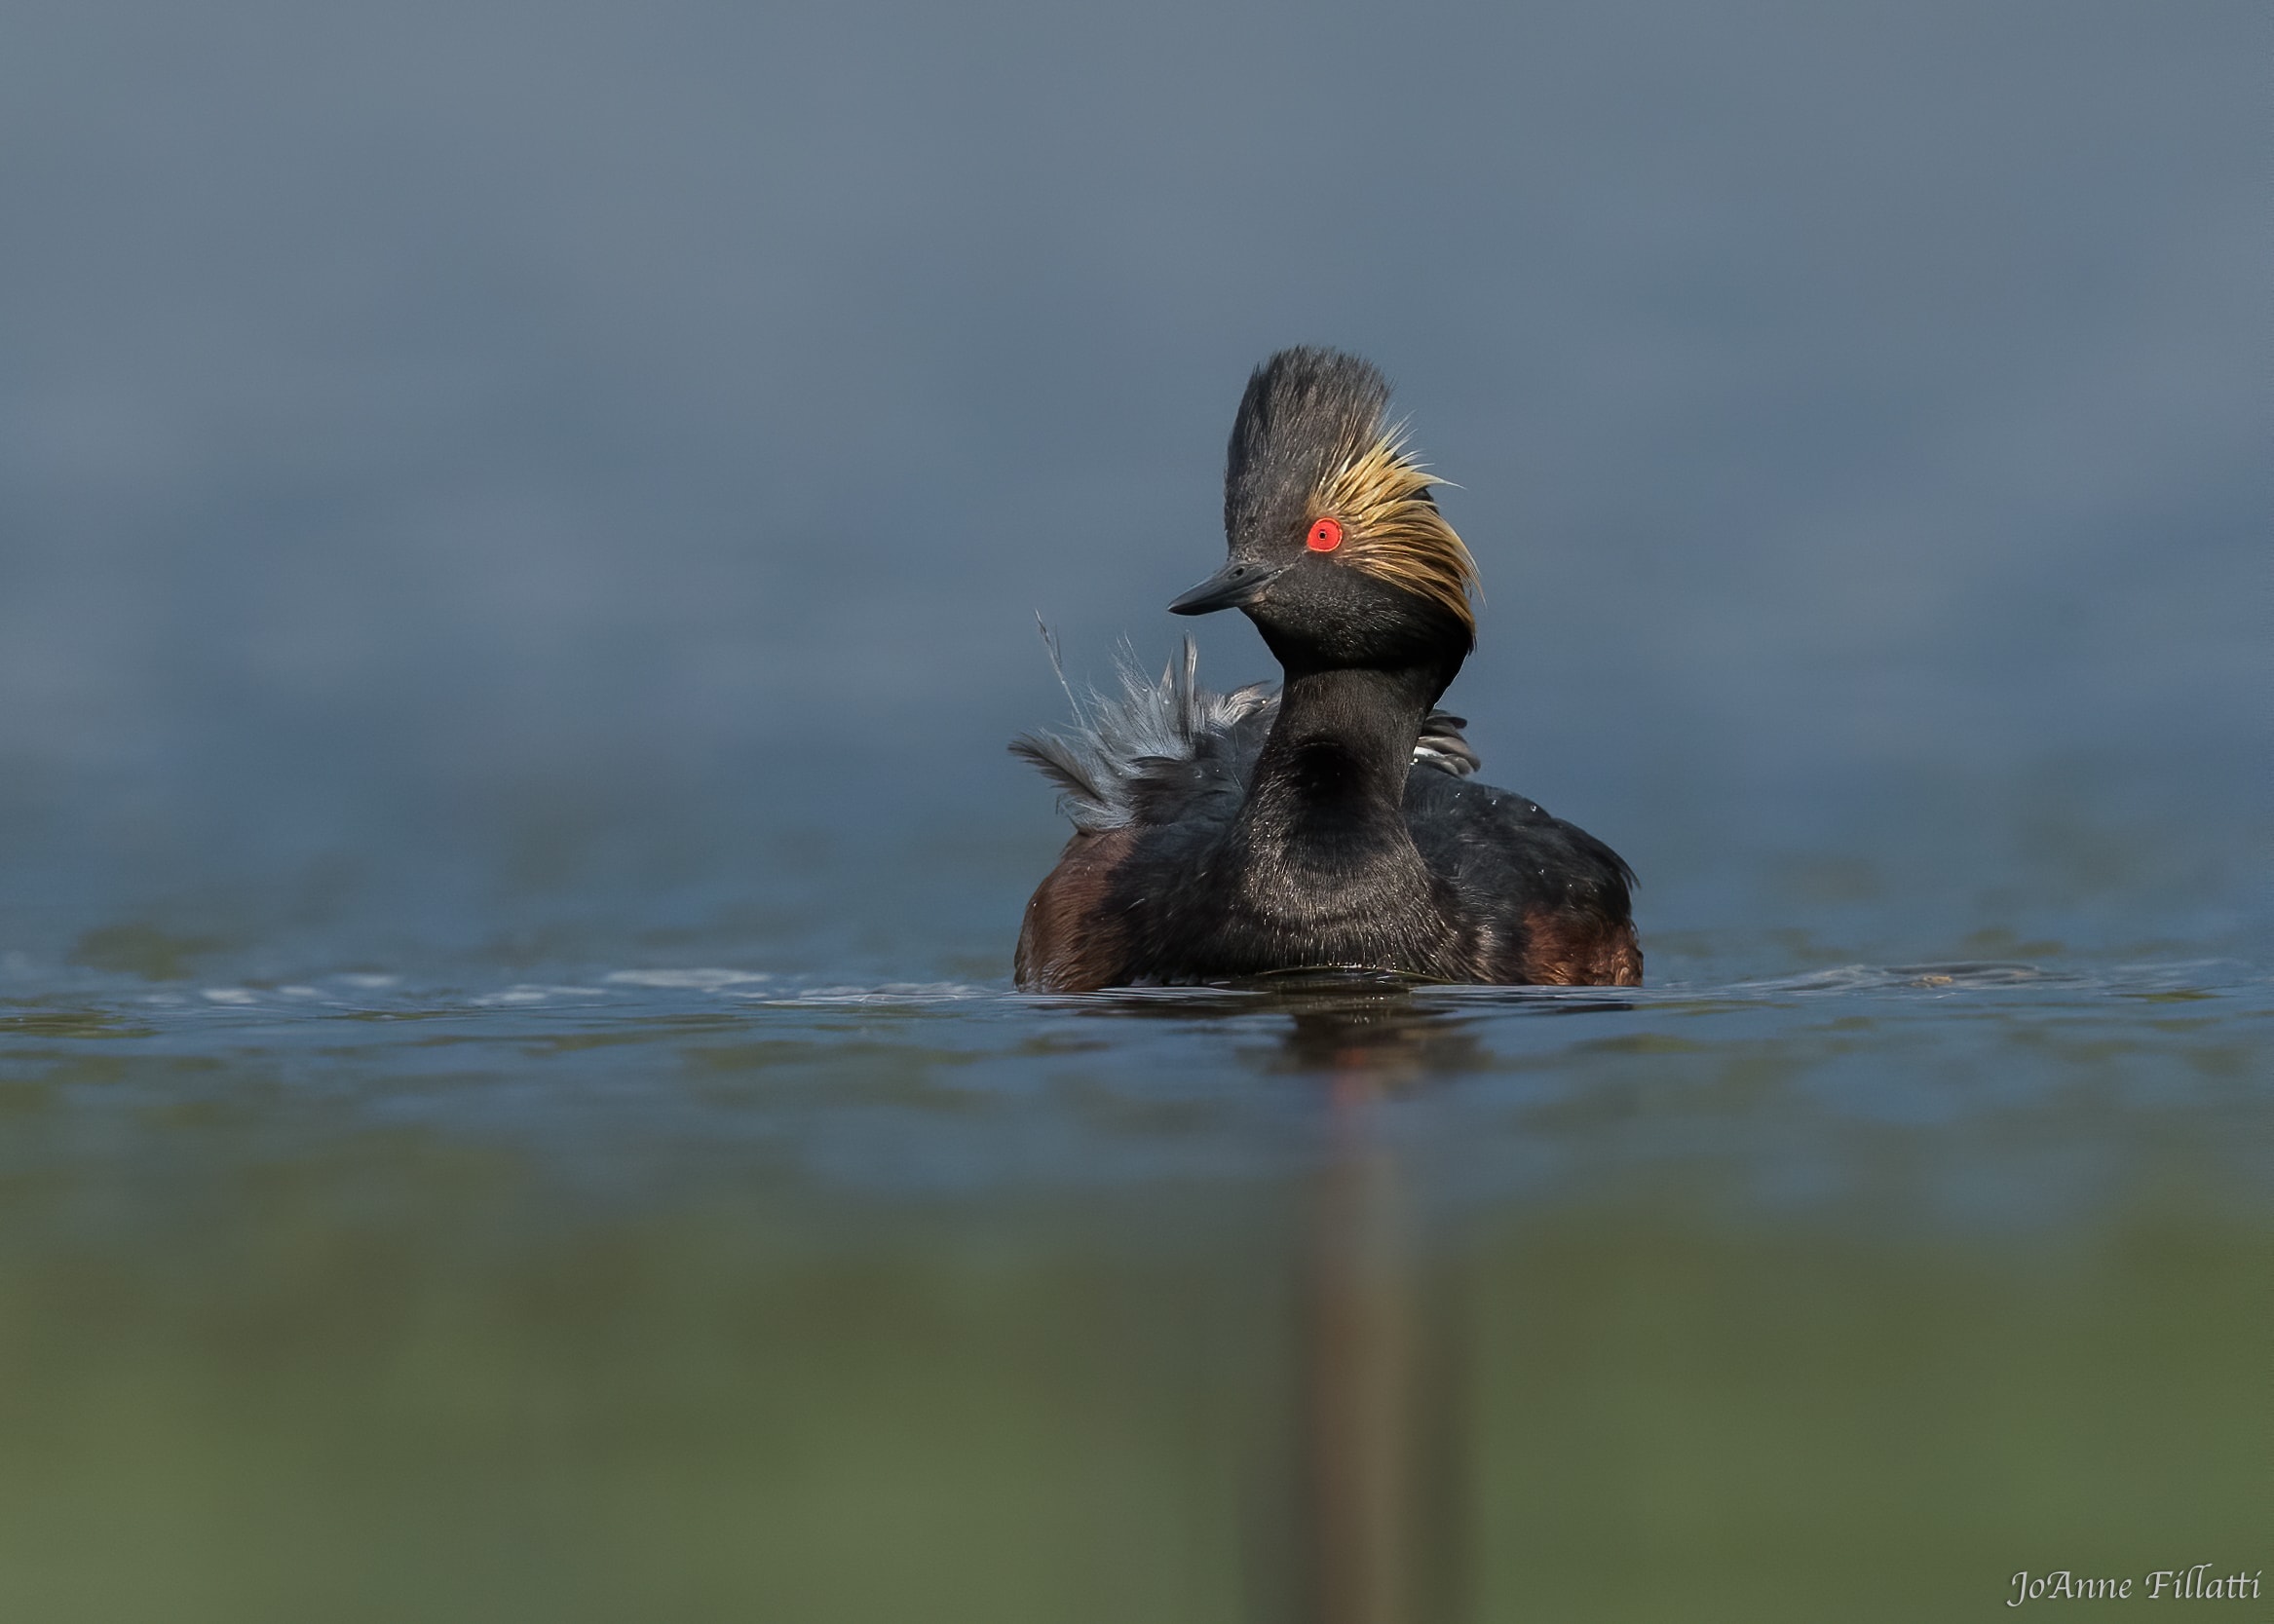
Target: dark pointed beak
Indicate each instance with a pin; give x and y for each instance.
(1232, 587)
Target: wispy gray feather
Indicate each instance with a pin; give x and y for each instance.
(1441, 745)
(1100, 763)
(1097, 766)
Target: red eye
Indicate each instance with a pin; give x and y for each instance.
(1325, 536)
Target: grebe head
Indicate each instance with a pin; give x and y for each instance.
(1339, 553)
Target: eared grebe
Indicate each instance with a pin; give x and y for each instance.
(1332, 825)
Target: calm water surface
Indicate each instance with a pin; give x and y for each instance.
(697, 1292)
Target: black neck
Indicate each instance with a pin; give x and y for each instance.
(1329, 788)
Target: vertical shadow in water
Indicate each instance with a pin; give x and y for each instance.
(1380, 1451)
(1362, 1520)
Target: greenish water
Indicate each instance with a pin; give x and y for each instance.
(709, 1295)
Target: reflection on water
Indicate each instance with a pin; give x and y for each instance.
(706, 1293)
(1374, 1485)
(1368, 1536)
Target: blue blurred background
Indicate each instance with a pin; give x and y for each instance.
(479, 471)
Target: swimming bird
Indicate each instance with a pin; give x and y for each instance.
(1336, 824)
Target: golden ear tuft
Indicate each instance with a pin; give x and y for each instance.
(1395, 532)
